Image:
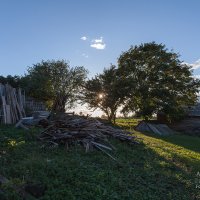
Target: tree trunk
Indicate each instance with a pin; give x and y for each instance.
(59, 103)
(114, 118)
(111, 117)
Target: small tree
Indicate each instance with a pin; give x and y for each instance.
(159, 80)
(55, 82)
(104, 91)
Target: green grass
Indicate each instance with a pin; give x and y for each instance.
(128, 123)
(157, 168)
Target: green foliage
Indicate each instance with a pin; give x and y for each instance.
(14, 81)
(159, 81)
(54, 82)
(158, 168)
(105, 91)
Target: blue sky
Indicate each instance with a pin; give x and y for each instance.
(52, 29)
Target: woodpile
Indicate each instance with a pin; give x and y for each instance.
(90, 133)
(11, 104)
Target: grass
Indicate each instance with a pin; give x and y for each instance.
(128, 123)
(158, 168)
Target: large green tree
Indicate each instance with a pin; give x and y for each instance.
(106, 92)
(159, 81)
(54, 82)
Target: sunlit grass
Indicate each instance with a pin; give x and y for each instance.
(173, 150)
(15, 143)
(128, 123)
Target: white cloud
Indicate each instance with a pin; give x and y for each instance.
(84, 38)
(100, 40)
(85, 55)
(98, 43)
(195, 65)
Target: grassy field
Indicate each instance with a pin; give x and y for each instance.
(128, 124)
(157, 168)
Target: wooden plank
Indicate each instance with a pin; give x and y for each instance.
(17, 104)
(1, 89)
(8, 115)
(20, 100)
(14, 106)
(101, 145)
(11, 104)
(4, 108)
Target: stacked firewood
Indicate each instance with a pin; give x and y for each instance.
(90, 133)
(11, 104)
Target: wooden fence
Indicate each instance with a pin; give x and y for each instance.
(33, 105)
(12, 103)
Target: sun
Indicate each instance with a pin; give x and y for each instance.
(100, 96)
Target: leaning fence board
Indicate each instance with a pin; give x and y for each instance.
(8, 115)
(4, 109)
(20, 99)
(11, 104)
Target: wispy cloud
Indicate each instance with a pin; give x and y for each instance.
(100, 40)
(98, 43)
(196, 76)
(85, 55)
(84, 38)
(195, 65)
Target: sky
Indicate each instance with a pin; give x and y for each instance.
(93, 33)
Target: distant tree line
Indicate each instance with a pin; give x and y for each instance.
(14, 81)
(148, 79)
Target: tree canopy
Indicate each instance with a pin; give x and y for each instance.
(55, 82)
(105, 91)
(159, 81)
(148, 79)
